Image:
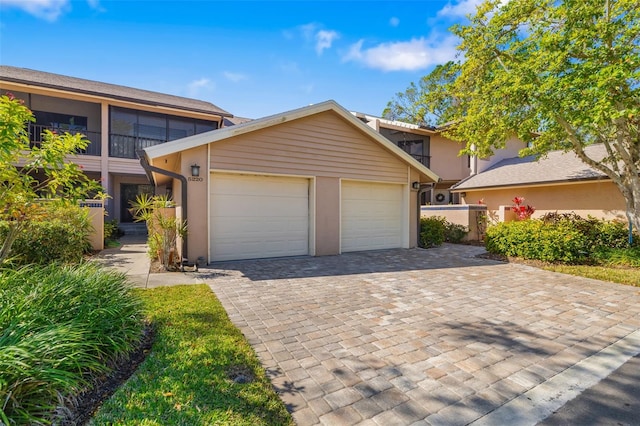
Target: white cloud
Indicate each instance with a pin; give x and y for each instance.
(49, 10)
(313, 33)
(460, 9)
(394, 21)
(197, 87)
(234, 76)
(411, 55)
(463, 8)
(324, 39)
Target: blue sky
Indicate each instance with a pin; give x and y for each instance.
(251, 58)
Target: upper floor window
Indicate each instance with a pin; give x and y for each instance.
(132, 130)
(66, 122)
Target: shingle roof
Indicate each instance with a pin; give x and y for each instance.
(79, 85)
(232, 121)
(558, 166)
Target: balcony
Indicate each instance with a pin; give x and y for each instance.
(94, 147)
(126, 146)
(424, 159)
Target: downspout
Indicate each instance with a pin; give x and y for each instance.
(423, 188)
(149, 169)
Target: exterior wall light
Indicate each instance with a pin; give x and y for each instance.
(415, 185)
(195, 170)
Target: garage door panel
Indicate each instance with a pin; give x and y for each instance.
(372, 216)
(258, 217)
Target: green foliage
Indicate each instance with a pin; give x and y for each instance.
(187, 377)
(59, 234)
(29, 173)
(562, 237)
(111, 231)
(533, 239)
(163, 227)
(431, 103)
(60, 326)
(559, 75)
(432, 230)
(435, 230)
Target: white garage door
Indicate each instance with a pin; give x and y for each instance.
(258, 216)
(372, 216)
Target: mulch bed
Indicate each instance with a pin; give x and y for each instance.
(81, 408)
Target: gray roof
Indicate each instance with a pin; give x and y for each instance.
(90, 87)
(232, 121)
(557, 166)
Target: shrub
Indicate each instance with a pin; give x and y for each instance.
(454, 232)
(534, 239)
(111, 230)
(435, 230)
(59, 234)
(432, 231)
(61, 325)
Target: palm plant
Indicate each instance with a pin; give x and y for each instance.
(162, 226)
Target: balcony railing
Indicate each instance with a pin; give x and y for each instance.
(125, 146)
(93, 148)
(424, 159)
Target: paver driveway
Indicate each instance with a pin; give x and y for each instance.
(435, 336)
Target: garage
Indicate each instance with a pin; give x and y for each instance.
(371, 216)
(257, 216)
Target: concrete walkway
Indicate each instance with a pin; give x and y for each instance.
(131, 258)
(423, 337)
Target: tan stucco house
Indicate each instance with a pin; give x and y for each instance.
(117, 120)
(558, 182)
(312, 181)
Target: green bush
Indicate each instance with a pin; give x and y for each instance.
(60, 325)
(60, 234)
(599, 232)
(432, 231)
(111, 230)
(534, 239)
(435, 230)
(563, 237)
(455, 233)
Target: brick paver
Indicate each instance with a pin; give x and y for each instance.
(415, 336)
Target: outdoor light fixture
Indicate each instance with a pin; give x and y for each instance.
(415, 185)
(195, 170)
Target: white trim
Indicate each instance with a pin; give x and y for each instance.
(262, 123)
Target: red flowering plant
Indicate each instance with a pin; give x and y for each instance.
(521, 210)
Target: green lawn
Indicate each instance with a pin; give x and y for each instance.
(629, 276)
(185, 379)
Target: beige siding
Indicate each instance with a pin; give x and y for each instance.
(445, 161)
(322, 145)
(125, 165)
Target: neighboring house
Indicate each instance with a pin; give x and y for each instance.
(429, 147)
(312, 181)
(558, 182)
(117, 120)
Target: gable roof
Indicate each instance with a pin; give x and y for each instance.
(114, 91)
(556, 167)
(273, 120)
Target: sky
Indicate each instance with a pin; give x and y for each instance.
(250, 58)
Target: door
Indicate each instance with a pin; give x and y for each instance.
(371, 216)
(258, 216)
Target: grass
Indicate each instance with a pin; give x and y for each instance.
(629, 276)
(186, 378)
(60, 326)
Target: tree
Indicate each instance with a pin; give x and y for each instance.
(430, 104)
(560, 75)
(30, 173)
